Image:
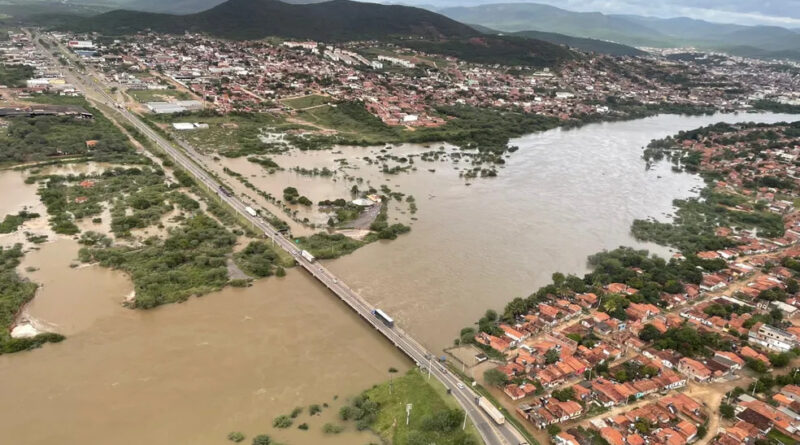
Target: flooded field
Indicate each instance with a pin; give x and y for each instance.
(235, 359)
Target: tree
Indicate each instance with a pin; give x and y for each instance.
(564, 394)
(702, 430)
(553, 430)
(495, 377)
(551, 356)
(727, 411)
(792, 287)
(491, 315)
(649, 333)
(779, 360)
(757, 365)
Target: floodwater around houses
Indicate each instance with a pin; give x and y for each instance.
(235, 359)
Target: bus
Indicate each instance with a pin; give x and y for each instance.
(380, 315)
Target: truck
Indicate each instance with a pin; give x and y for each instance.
(380, 315)
(491, 410)
(225, 190)
(251, 211)
(307, 255)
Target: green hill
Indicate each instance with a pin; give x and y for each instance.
(515, 17)
(583, 44)
(336, 20)
(749, 41)
(503, 50)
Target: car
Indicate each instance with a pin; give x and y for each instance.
(460, 385)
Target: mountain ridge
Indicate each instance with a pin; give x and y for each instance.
(760, 41)
(335, 20)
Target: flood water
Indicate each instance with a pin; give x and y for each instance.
(235, 359)
(192, 372)
(564, 195)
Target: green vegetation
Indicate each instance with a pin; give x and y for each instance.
(262, 439)
(282, 422)
(690, 342)
(484, 129)
(14, 76)
(14, 293)
(382, 230)
(235, 436)
(696, 218)
(330, 428)
(292, 196)
(495, 377)
(233, 135)
(328, 246)
(48, 137)
(779, 437)
(775, 107)
(255, 21)
(144, 96)
(138, 198)
(259, 259)
(433, 418)
(191, 261)
(505, 50)
(311, 100)
(267, 163)
(589, 45)
(12, 222)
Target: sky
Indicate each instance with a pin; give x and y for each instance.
(785, 13)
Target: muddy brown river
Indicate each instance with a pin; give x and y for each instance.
(235, 359)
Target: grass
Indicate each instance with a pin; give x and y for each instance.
(144, 96)
(352, 121)
(233, 132)
(426, 397)
(783, 438)
(311, 100)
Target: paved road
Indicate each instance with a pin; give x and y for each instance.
(491, 433)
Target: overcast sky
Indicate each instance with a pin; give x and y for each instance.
(784, 13)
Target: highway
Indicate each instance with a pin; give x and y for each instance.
(491, 433)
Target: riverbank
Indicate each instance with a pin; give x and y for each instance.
(744, 219)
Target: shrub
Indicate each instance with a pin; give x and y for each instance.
(235, 436)
(330, 428)
(282, 422)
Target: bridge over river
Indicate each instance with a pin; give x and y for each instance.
(188, 159)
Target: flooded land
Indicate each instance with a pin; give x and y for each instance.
(234, 359)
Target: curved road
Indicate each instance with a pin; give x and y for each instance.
(492, 433)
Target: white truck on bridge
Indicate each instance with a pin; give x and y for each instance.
(305, 254)
(251, 211)
(491, 410)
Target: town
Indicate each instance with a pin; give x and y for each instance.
(701, 348)
(400, 86)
